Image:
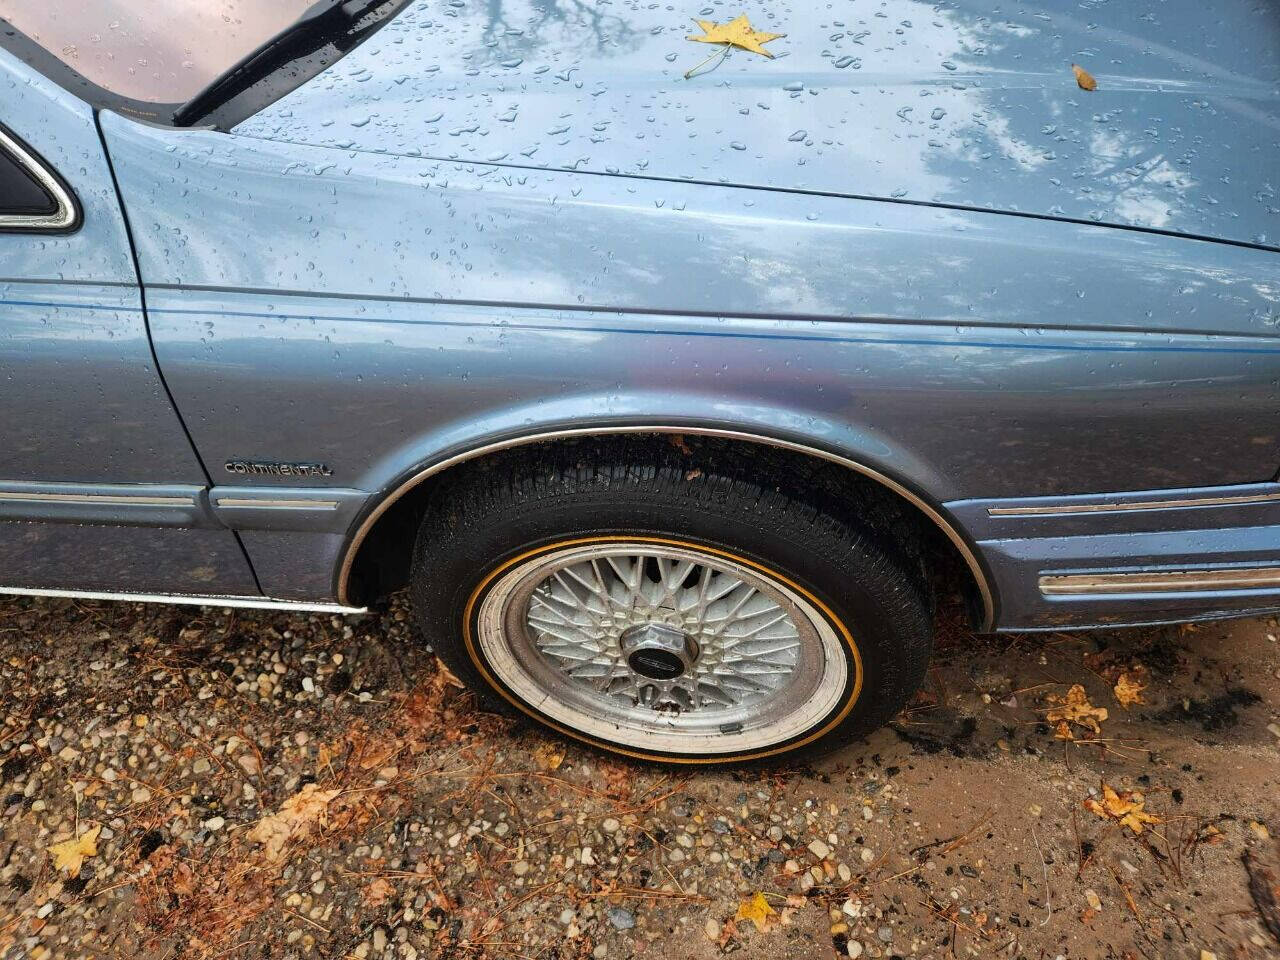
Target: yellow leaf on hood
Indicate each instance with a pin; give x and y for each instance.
(736, 33)
(1124, 808)
(69, 855)
(1084, 78)
(758, 911)
(1128, 690)
(1074, 708)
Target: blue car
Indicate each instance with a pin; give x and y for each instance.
(675, 358)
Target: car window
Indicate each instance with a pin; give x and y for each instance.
(154, 51)
(32, 195)
(20, 194)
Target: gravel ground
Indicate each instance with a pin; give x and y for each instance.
(184, 782)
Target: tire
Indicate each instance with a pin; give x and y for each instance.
(823, 639)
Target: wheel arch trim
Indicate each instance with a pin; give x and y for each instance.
(949, 529)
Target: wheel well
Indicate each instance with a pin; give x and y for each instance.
(382, 557)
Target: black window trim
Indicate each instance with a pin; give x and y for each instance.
(66, 216)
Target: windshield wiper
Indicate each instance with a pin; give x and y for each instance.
(320, 23)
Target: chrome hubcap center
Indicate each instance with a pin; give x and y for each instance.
(657, 651)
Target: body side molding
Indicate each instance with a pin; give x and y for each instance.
(127, 504)
(952, 532)
(254, 603)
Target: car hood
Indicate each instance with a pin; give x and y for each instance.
(966, 104)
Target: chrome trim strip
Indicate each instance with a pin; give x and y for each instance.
(62, 217)
(1160, 581)
(952, 534)
(255, 603)
(282, 504)
(1113, 506)
(112, 498)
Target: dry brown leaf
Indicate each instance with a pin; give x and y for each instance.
(1128, 689)
(727, 933)
(1074, 708)
(297, 816)
(758, 911)
(448, 675)
(1084, 78)
(549, 755)
(1124, 807)
(378, 892)
(69, 855)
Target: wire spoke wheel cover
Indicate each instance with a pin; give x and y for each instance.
(663, 646)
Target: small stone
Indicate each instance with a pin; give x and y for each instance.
(200, 766)
(1095, 904)
(885, 934)
(844, 872)
(586, 857)
(610, 825)
(853, 948)
(141, 795)
(712, 928)
(1274, 728)
(308, 685)
(248, 763)
(215, 823)
(601, 951)
(620, 918)
(68, 753)
(566, 916)
(867, 855)
(379, 940)
(521, 867)
(867, 814)
(819, 849)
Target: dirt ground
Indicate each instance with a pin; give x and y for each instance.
(186, 782)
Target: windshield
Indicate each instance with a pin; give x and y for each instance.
(154, 51)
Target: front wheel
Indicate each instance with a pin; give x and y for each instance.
(669, 613)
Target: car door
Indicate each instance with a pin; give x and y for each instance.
(100, 489)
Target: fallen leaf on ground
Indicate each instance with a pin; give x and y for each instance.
(378, 892)
(1128, 689)
(1125, 808)
(727, 933)
(297, 816)
(69, 855)
(758, 911)
(1074, 708)
(549, 756)
(448, 675)
(1084, 78)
